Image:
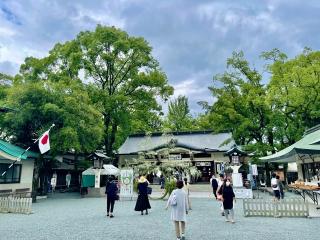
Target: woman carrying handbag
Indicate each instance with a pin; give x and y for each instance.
(142, 203)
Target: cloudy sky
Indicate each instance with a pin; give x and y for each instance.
(190, 38)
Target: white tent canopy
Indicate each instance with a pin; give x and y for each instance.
(111, 170)
(107, 169)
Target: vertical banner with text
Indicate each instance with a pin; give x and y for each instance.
(97, 178)
(126, 187)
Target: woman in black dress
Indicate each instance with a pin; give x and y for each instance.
(143, 200)
(228, 197)
(112, 195)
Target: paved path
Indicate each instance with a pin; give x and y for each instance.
(70, 217)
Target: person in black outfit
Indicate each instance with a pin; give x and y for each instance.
(143, 200)
(112, 194)
(162, 181)
(214, 185)
(281, 187)
(228, 197)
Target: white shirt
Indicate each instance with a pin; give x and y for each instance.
(220, 182)
(274, 181)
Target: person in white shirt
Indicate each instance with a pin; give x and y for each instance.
(68, 179)
(186, 188)
(275, 187)
(54, 181)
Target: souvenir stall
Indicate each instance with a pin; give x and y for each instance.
(305, 155)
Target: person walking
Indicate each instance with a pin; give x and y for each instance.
(281, 187)
(214, 185)
(179, 209)
(162, 181)
(112, 196)
(186, 188)
(219, 196)
(142, 203)
(228, 198)
(68, 179)
(53, 181)
(275, 187)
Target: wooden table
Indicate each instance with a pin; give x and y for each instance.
(303, 190)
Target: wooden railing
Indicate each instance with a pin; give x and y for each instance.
(269, 208)
(13, 204)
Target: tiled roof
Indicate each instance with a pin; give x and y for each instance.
(200, 140)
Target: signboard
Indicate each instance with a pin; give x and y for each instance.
(243, 193)
(254, 169)
(237, 180)
(203, 164)
(126, 182)
(175, 157)
(97, 178)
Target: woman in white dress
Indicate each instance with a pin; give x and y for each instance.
(179, 209)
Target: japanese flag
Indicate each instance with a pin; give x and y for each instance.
(44, 144)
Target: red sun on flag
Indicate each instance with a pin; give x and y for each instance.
(44, 140)
(44, 143)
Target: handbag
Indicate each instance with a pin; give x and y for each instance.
(149, 190)
(117, 198)
(173, 200)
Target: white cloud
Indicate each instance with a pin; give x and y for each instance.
(6, 32)
(188, 87)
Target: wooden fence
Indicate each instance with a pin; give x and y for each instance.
(269, 208)
(15, 205)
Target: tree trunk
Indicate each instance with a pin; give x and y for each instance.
(112, 138)
(35, 180)
(107, 120)
(268, 180)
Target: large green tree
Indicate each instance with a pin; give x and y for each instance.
(179, 117)
(294, 93)
(267, 117)
(241, 105)
(122, 75)
(37, 104)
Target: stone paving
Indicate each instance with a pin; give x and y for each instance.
(67, 216)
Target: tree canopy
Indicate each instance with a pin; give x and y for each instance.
(113, 72)
(267, 117)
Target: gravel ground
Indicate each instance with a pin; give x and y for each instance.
(69, 217)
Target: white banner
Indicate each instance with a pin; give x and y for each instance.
(97, 178)
(243, 193)
(126, 183)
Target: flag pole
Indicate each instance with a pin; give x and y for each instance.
(26, 150)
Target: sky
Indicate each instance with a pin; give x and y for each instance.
(191, 39)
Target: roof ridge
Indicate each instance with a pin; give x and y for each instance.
(175, 133)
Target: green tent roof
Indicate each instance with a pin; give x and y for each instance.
(16, 151)
(309, 144)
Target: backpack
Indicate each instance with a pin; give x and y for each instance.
(214, 183)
